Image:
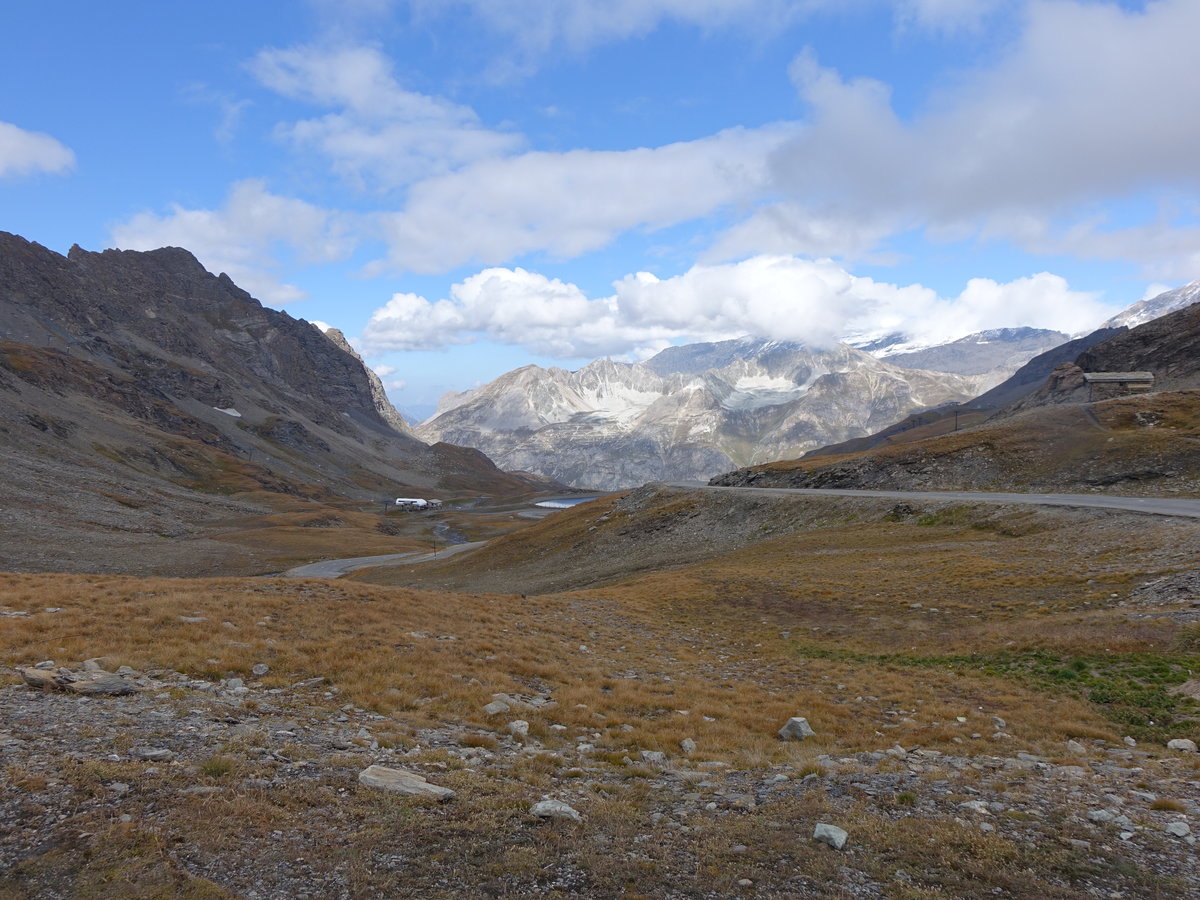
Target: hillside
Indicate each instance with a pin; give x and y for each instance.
(146, 403)
(991, 718)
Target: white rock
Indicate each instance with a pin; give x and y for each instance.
(1177, 828)
(555, 809)
(518, 727)
(796, 729)
(496, 707)
(654, 757)
(830, 834)
(260, 670)
(1100, 815)
(1076, 748)
(401, 781)
(1182, 744)
(688, 746)
(976, 806)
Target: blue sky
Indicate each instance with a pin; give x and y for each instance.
(465, 186)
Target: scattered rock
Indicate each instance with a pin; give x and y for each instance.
(830, 834)
(87, 683)
(796, 729)
(555, 809)
(402, 781)
(153, 754)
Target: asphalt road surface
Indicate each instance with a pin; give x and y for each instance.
(335, 568)
(1157, 506)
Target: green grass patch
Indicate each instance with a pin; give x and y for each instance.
(1129, 689)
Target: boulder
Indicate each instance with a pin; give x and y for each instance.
(496, 707)
(402, 781)
(555, 809)
(89, 683)
(830, 834)
(796, 729)
(1182, 744)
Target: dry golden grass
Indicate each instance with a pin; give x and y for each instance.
(1053, 445)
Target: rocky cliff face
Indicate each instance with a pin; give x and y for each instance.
(143, 376)
(1168, 346)
(687, 413)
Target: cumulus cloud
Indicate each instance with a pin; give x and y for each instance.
(1071, 117)
(570, 203)
(245, 237)
(773, 297)
(30, 152)
(378, 134)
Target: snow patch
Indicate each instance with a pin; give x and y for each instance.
(229, 412)
(757, 391)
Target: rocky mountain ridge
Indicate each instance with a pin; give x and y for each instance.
(686, 413)
(140, 393)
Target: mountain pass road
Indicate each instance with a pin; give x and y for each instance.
(1157, 506)
(335, 568)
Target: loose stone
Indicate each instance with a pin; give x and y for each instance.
(830, 834)
(402, 781)
(796, 729)
(555, 809)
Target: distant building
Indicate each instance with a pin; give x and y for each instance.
(415, 503)
(1104, 385)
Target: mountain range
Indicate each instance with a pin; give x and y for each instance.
(693, 411)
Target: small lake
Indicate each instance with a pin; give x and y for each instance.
(563, 503)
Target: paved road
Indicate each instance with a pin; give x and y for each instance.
(1158, 506)
(335, 568)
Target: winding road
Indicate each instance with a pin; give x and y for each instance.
(1156, 506)
(335, 568)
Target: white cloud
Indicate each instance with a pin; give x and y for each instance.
(29, 152)
(245, 237)
(774, 297)
(1090, 105)
(567, 204)
(947, 16)
(379, 133)
(534, 29)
